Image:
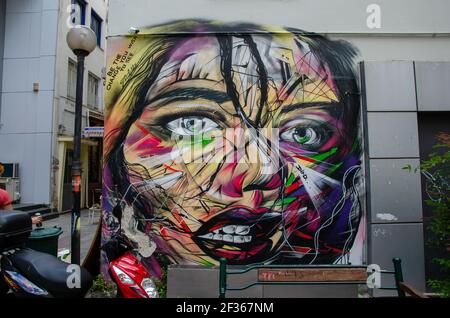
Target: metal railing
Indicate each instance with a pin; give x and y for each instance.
(224, 272)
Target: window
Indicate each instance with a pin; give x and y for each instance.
(96, 26)
(93, 83)
(79, 16)
(72, 80)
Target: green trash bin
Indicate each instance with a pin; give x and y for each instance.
(45, 240)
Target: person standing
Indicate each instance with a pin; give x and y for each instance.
(6, 205)
(5, 200)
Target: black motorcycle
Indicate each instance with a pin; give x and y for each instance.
(29, 273)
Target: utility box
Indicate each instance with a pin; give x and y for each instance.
(188, 281)
(45, 240)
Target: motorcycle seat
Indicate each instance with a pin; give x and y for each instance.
(49, 273)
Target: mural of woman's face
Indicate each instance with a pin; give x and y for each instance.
(242, 153)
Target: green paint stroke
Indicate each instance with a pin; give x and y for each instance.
(333, 168)
(325, 155)
(203, 141)
(290, 180)
(206, 263)
(285, 201)
(206, 142)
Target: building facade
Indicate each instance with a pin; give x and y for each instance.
(402, 67)
(38, 73)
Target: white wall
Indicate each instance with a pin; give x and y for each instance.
(410, 29)
(26, 116)
(322, 16)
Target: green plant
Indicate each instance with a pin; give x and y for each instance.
(102, 287)
(161, 284)
(436, 170)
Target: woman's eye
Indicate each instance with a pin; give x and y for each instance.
(191, 126)
(309, 137)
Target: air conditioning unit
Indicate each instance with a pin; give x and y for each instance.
(12, 186)
(9, 180)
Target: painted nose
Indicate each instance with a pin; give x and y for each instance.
(264, 170)
(254, 168)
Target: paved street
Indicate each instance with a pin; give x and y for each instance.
(87, 231)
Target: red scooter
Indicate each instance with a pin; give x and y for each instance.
(125, 267)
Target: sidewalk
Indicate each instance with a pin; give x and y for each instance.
(86, 235)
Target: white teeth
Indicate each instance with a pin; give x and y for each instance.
(207, 236)
(228, 238)
(229, 229)
(234, 229)
(225, 234)
(242, 230)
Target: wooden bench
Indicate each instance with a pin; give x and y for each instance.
(312, 275)
(350, 274)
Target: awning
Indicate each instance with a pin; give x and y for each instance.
(84, 141)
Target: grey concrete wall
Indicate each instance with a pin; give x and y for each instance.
(26, 115)
(403, 240)
(394, 93)
(432, 80)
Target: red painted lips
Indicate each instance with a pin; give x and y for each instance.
(239, 234)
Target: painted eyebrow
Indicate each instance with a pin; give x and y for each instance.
(193, 93)
(296, 106)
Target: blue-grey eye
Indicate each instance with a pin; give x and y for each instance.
(308, 134)
(191, 125)
(302, 135)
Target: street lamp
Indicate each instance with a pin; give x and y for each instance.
(82, 41)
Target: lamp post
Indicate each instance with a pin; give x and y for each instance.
(82, 41)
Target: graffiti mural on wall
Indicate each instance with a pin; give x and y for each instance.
(243, 145)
